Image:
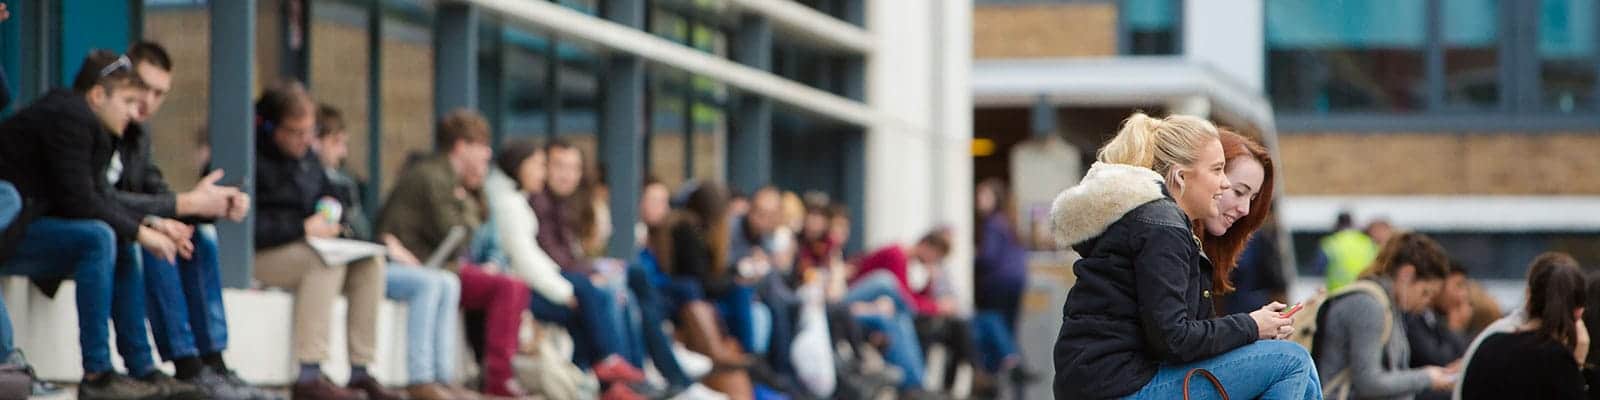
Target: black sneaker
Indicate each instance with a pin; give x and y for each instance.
(227, 386)
(173, 389)
(115, 386)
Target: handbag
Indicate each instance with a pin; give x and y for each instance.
(1208, 376)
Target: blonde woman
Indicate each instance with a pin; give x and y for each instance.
(1140, 315)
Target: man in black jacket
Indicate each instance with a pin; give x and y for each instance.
(293, 207)
(185, 299)
(59, 154)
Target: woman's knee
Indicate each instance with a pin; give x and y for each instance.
(1290, 355)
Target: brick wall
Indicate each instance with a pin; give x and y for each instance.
(1440, 163)
(1044, 30)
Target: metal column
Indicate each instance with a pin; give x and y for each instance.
(622, 128)
(455, 58)
(233, 138)
(750, 140)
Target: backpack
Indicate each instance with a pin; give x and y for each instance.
(1306, 329)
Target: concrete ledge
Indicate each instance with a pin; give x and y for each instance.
(259, 335)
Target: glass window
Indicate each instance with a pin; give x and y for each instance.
(1471, 54)
(526, 73)
(1567, 55)
(669, 96)
(1353, 55)
(1151, 25)
(579, 75)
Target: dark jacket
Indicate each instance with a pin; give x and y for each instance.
(56, 152)
(1432, 341)
(142, 187)
(556, 235)
(1001, 267)
(287, 190)
(423, 206)
(1143, 294)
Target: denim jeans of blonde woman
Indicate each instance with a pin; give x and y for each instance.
(1268, 369)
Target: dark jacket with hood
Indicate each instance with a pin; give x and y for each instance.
(1143, 293)
(287, 190)
(56, 152)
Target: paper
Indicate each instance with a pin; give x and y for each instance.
(336, 252)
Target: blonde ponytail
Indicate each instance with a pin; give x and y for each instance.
(1158, 144)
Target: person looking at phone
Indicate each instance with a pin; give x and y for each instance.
(1140, 316)
(1352, 351)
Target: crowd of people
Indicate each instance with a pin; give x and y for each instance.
(1164, 221)
(730, 296)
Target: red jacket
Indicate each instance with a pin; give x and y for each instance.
(892, 258)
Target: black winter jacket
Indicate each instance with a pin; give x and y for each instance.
(1143, 291)
(56, 152)
(287, 190)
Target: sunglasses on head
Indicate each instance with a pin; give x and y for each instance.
(121, 64)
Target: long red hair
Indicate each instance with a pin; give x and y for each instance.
(1224, 250)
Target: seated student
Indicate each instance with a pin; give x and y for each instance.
(187, 318)
(1139, 317)
(289, 186)
(1437, 335)
(751, 238)
(694, 247)
(883, 276)
(424, 206)
(58, 154)
(657, 295)
(1352, 356)
(1543, 357)
(590, 318)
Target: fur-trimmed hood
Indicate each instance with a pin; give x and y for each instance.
(1107, 192)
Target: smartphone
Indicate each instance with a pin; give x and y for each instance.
(1292, 310)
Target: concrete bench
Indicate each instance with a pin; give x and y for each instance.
(260, 328)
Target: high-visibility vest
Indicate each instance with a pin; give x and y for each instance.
(1349, 253)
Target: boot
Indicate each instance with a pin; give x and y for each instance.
(701, 333)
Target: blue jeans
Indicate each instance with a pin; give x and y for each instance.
(995, 342)
(595, 335)
(10, 204)
(904, 350)
(1268, 369)
(878, 284)
(185, 301)
(431, 297)
(84, 251)
(653, 307)
(738, 311)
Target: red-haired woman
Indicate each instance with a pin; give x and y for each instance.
(1242, 208)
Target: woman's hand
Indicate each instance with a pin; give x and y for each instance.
(1439, 378)
(1270, 324)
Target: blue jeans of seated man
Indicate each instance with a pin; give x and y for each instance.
(187, 317)
(738, 312)
(878, 284)
(653, 308)
(432, 297)
(593, 329)
(904, 350)
(84, 251)
(995, 342)
(1267, 369)
(784, 305)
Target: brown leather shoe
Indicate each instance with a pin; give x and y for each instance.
(323, 389)
(373, 389)
(430, 391)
